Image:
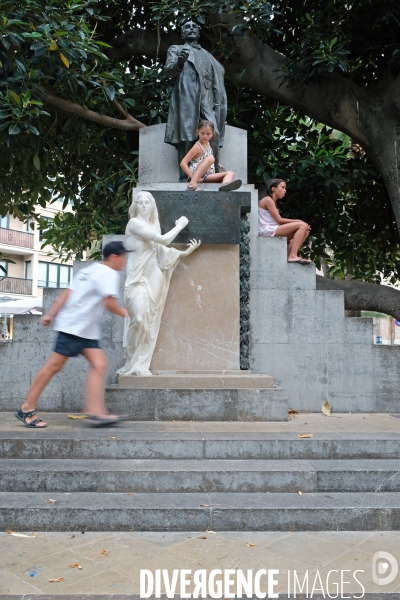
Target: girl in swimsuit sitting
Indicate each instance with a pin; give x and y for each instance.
(270, 222)
(198, 164)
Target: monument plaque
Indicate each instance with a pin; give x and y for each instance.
(214, 217)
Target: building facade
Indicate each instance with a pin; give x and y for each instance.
(33, 267)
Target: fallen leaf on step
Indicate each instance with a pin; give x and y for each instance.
(130, 493)
(72, 536)
(76, 416)
(24, 535)
(293, 411)
(174, 421)
(326, 408)
(75, 566)
(249, 544)
(50, 501)
(111, 437)
(210, 531)
(305, 435)
(301, 493)
(203, 537)
(105, 552)
(56, 579)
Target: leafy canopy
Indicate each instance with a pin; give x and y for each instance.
(61, 47)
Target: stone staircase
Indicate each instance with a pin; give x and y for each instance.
(169, 477)
(301, 336)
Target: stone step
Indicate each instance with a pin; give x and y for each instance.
(156, 476)
(149, 441)
(183, 476)
(197, 381)
(235, 404)
(199, 512)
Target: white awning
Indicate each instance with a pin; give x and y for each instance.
(20, 307)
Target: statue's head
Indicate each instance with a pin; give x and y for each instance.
(190, 31)
(143, 201)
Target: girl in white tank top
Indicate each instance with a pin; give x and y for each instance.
(270, 222)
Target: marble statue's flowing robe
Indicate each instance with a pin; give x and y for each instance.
(140, 338)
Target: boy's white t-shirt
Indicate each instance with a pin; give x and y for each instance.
(81, 313)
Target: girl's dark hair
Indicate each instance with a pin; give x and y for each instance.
(204, 123)
(272, 183)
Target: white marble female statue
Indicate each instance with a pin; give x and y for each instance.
(149, 269)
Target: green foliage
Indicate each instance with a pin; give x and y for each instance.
(358, 39)
(251, 17)
(339, 193)
(61, 47)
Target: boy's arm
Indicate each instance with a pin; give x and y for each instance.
(57, 306)
(112, 305)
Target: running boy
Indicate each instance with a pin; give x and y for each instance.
(78, 310)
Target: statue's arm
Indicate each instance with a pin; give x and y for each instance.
(145, 231)
(172, 67)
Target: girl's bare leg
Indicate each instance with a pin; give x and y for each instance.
(201, 170)
(299, 231)
(289, 243)
(225, 177)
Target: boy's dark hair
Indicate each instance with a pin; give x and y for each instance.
(204, 123)
(273, 183)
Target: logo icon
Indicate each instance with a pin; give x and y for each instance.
(384, 568)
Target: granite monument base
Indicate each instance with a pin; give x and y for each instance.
(158, 161)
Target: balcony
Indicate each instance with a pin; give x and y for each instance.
(12, 237)
(15, 285)
(51, 284)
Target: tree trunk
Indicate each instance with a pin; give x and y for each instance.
(365, 296)
(370, 116)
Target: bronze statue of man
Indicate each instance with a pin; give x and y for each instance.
(199, 93)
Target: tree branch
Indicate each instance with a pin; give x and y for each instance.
(331, 101)
(128, 124)
(365, 296)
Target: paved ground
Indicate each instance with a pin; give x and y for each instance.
(111, 562)
(304, 423)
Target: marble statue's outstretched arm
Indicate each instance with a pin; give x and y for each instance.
(146, 231)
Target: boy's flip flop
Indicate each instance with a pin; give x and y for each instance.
(94, 421)
(229, 187)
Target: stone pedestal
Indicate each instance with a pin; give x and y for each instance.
(200, 324)
(158, 162)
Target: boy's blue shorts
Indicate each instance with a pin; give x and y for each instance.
(72, 345)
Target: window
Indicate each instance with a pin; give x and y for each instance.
(41, 231)
(3, 264)
(5, 222)
(28, 269)
(27, 226)
(54, 275)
